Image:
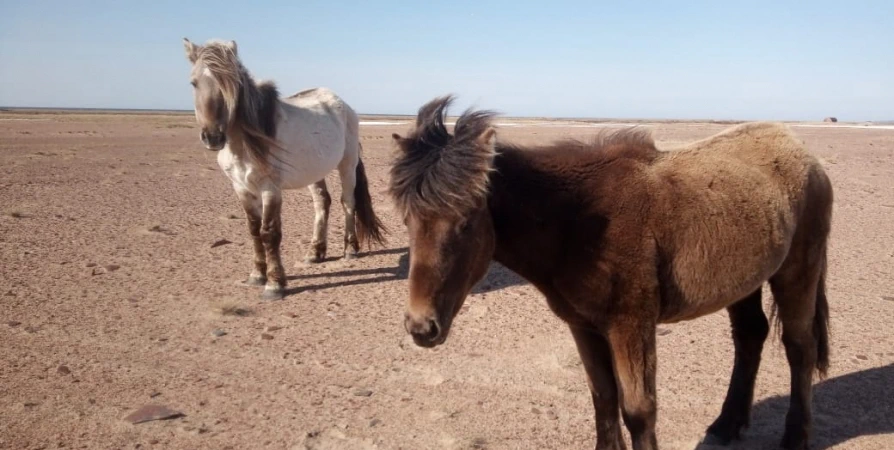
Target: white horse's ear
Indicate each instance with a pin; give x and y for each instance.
(232, 45)
(192, 51)
(488, 139)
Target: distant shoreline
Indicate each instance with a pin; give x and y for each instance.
(373, 116)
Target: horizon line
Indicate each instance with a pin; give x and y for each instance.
(97, 110)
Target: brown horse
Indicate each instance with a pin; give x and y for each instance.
(620, 237)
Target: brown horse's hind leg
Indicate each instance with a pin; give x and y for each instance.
(322, 202)
(749, 328)
(795, 294)
(597, 359)
(633, 351)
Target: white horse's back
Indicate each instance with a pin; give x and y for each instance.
(317, 131)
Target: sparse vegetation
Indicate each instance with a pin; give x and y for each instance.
(230, 308)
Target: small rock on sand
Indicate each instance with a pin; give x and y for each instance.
(219, 333)
(220, 242)
(152, 412)
(363, 392)
(266, 336)
(63, 370)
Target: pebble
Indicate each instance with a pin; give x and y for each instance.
(112, 267)
(220, 242)
(663, 332)
(272, 328)
(266, 336)
(219, 333)
(13, 323)
(374, 422)
(90, 264)
(363, 392)
(63, 370)
(552, 415)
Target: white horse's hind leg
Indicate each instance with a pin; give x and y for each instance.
(347, 171)
(322, 202)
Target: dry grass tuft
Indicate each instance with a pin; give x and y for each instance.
(230, 308)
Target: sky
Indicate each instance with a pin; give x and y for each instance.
(754, 60)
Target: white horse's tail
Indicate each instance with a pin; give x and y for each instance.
(369, 227)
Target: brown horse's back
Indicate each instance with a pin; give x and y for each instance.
(725, 212)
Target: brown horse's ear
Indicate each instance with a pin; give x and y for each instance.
(232, 45)
(192, 50)
(488, 139)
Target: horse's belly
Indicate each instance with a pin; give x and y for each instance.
(314, 169)
(309, 156)
(709, 274)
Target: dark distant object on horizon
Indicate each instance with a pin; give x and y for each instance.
(830, 119)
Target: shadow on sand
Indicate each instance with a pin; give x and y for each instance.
(844, 408)
(497, 278)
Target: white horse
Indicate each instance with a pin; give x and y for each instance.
(266, 144)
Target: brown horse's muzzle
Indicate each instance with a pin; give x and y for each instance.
(426, 330)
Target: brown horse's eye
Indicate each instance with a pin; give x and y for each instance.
(193, 83)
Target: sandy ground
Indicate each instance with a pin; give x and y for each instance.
(113, 298)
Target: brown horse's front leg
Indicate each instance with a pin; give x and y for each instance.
(596, 356)
(632, 341)
(271, 235)
(252, 206)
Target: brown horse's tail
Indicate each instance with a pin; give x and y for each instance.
(369, 227)
(821, 323)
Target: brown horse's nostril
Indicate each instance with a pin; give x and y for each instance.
(425, 333)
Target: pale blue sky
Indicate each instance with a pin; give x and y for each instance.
(659, 59)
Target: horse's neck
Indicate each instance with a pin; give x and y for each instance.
(529, 212)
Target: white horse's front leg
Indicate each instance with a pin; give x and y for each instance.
(271, 235)
(322, 202)
(251, 204)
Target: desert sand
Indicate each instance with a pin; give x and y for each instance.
(113, 297)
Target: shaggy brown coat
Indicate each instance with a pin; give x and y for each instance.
(620, 236)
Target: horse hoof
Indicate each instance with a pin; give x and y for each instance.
(713, 439)
(350, 255)
(273, 294)
(313, 260)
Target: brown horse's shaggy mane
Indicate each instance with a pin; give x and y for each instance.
(437, 173)
(440, 173)
(252, 106)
